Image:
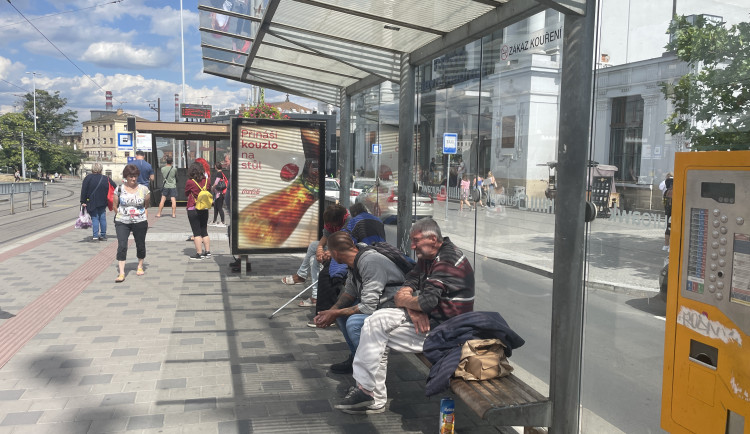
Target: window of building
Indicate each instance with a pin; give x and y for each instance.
(508, 137)
(626, 137)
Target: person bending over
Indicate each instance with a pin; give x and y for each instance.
(439, 287)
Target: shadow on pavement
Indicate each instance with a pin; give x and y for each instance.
(654, 305)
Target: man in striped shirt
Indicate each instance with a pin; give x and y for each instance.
(439, 287)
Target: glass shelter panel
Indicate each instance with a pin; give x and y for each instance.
(646, 110)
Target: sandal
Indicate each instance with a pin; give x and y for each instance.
(289, 280)
(308, 302)
(120, 278)
(140, 272)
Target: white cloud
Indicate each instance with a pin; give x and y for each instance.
(122, 55)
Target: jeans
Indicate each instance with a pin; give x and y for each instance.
(310, 263)
(99, 221)
(219, 208)
(351, 327)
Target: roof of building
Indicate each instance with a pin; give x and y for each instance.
(106, 115)
(290, 107)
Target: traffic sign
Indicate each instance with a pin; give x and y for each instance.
(450, 143)
(125, 141)
(376, 148)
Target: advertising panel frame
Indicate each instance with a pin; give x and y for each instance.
(271, 204)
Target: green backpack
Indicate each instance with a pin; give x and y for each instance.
(205, 199)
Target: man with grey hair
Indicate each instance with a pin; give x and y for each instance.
(439, 287)
(94, 192)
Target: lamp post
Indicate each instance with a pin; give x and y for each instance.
(33, 80)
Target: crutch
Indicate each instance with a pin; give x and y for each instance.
(292, 299)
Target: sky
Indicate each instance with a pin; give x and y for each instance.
(129, 47)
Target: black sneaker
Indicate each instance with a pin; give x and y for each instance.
(102, 238)
(370, 409)
(206, 254)
(344, 367)
(356, 398)
(197, 257)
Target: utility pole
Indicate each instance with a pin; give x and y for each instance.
(33, 80)
(156, 108)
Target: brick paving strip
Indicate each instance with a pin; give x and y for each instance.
(17, 331)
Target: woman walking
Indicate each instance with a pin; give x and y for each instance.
(94, 192)
(198, 218)
(219, 194)
(131, 200)
(490, 185)
(464, 193)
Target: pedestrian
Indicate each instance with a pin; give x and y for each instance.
(476, 191)
(465, 194)
(94, 192)
(489, 186)
(168, 187)
(146, 171)
(439, 287)
(432, 171)
(17, 175)
(219, 188)
(461, 168)
(198, 218)
(131, 200)
(666, 189)
(372, 281)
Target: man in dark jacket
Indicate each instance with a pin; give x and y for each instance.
(439, 287)
(94, 191)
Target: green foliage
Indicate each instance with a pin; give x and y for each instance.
(712, 102)
(51, 119)
(37, 149)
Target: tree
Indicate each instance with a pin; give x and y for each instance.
(50, 119)
(11, 126)
(711, 103)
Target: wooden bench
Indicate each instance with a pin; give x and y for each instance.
(505, 401)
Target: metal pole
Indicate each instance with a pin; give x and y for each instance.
(570, 229)
(405, 152)
(33, 80)
(292, 299)
(447, 192)
(182, 42)
(23, 158)
(345, 154)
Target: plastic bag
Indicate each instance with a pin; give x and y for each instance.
(84, 219)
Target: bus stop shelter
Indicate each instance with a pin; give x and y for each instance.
(329, 51)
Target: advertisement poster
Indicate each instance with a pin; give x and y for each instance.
(277, 172)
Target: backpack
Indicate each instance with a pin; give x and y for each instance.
(205, 199)
(221, 186)
(403, 262)
(667, 198)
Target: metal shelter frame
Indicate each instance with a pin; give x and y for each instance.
(329, 50)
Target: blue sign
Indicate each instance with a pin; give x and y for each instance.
(131, 159)
(125, 141)
(450, 143)
(376, 148)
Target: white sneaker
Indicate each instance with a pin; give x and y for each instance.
(220, 225)
(665, 248)
(212, 224)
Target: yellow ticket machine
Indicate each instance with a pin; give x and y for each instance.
(706, 385)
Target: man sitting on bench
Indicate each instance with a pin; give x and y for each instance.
(439, 287)
(372, 281)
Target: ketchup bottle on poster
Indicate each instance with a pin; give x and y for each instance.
(269, 221)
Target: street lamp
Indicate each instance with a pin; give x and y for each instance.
(33, 80)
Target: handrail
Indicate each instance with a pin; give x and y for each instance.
(13, 188)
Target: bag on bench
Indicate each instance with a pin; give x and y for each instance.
(483, 359)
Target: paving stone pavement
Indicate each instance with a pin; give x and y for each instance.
(186, 348)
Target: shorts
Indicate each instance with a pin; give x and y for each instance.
(169, 192)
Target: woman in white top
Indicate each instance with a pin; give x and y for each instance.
(131, 200)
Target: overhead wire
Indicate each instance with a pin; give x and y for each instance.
(61, 13)
(14, 85)
(60, 51)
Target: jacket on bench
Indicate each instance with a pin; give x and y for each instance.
(443, 344)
